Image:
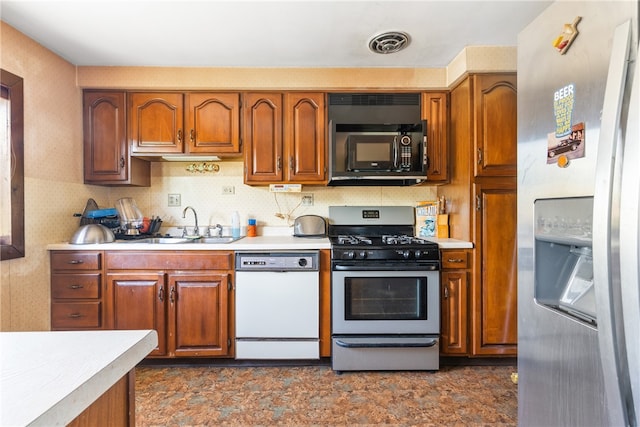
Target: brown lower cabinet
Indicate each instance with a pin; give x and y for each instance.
(454, 288)
(184, 295)
(116, 407)
(77, 290)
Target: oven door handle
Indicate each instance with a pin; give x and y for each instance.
(383, 267)
(344, 344)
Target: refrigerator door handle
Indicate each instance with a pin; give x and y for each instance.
(606, 290)
(630, 243)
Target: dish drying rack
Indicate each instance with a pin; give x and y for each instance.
(92, 214)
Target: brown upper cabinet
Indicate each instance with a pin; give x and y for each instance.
(495, 118)
(435, 110)
(184, 122)
(285, 138)
(107, 160)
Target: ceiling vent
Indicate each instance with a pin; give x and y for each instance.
(389, 42)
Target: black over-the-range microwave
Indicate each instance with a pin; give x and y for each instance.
(376, 139)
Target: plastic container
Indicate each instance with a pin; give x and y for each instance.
(235, 224)
(251, 228)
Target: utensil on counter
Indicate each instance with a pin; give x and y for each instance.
(92, 233)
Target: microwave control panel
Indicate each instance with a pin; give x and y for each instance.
(405, 152)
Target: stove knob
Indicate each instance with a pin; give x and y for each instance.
(362, 254)
(349, 255)
(418, 254)
(406, 254)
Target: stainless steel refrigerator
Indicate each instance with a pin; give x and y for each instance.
(578, 203)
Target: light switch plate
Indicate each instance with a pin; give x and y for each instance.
(174, 200)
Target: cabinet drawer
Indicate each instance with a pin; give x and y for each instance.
(75, 285)
(455, 259)
(169, 260)
(75, 315)
(70, 260)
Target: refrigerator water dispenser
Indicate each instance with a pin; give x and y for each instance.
(563, 262)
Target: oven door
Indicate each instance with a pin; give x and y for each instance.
(385, 302)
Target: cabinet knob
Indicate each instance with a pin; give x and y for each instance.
(179, 135)
(446, 292)
(192, 135)
(161, 294)
(122, 162)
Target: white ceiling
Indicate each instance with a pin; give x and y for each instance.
(240, 33)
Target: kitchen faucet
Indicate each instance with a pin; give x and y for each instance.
(196, 230)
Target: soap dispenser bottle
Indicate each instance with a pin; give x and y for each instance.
(235, 225)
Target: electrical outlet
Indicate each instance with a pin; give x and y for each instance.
(174, 200)
(307, 200)
(228, 189)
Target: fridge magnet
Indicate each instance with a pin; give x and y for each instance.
(561, 150)
(563, 102)
(567, 36)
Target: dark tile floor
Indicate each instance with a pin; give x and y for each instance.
(316, 395)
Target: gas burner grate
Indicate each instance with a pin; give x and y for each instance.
(403, 240)
(353, 240)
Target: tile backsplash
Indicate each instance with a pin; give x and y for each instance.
(204, 192)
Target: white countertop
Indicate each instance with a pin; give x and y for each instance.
(49, 378)
(273, 243)
(451, 243)
(244, 244)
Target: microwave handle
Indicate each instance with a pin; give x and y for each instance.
(425, 156)
(396, 153)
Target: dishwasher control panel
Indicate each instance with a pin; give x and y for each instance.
(277, 261)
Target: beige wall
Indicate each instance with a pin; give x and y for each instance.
(54, 187)
(53, 175)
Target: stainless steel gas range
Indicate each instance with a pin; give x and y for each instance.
(385, 291)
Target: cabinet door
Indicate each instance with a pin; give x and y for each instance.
(138, 302)
(304, 144)
(198, 314)
(454, 320)
(495, 117)
(213, 122)
(105, 137)
(263, 138)
(494, 312)
(156, 122)
(436, 112)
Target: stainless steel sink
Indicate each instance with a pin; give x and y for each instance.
(222, 239)
(185, 240)
(162, 240)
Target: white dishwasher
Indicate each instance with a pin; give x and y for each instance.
(277, 305)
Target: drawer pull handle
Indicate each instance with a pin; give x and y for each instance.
(446, 292)
(76, 261)
(75, 315)
(455, 260)
(76, 287)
